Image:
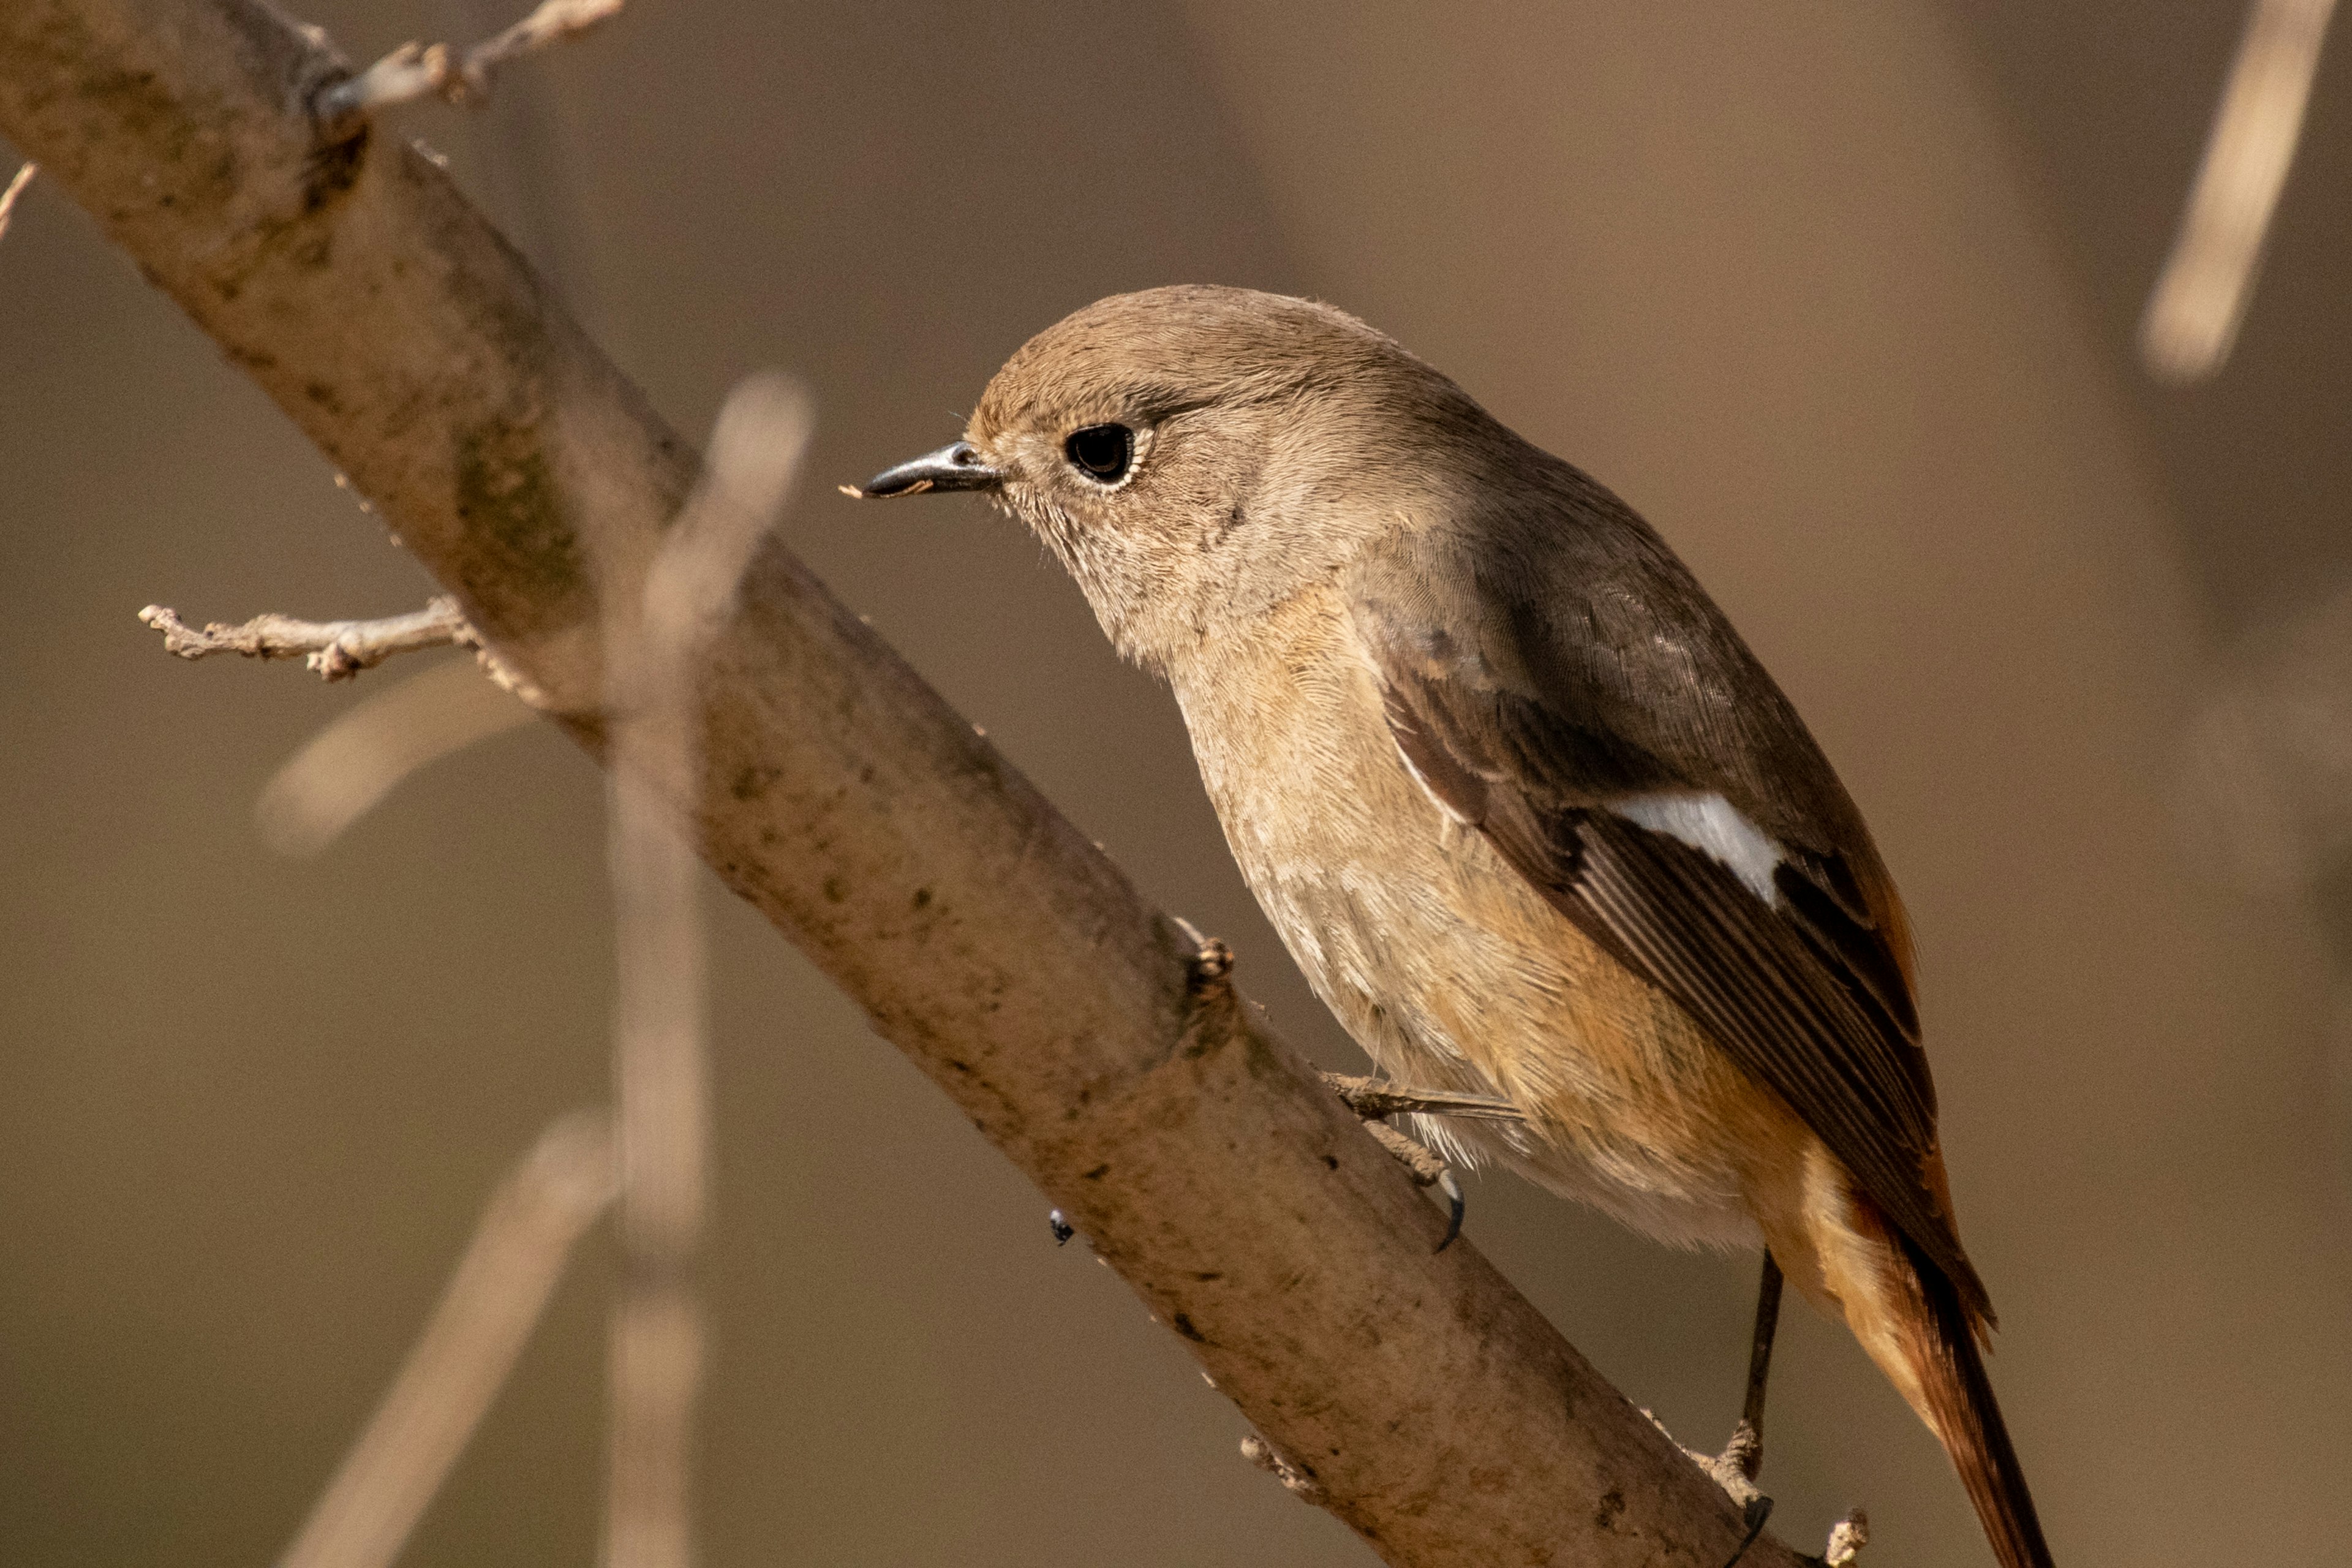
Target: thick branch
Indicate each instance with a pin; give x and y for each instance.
(1431, 1405)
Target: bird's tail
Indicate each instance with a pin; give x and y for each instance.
(1937, 1336)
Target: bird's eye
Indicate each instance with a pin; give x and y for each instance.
(1102, 452)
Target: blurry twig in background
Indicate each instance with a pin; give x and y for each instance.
(2267, 797)
(493, 1302)
(337, 650)
(2192, 316)
(419, 71)
(358, 759)
(2269, 764)
(8, 197)
(651, 650)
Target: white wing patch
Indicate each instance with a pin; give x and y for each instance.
(1712, 826)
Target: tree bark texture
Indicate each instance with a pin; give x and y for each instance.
(1440, 1415)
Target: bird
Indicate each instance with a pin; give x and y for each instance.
(1533, 820)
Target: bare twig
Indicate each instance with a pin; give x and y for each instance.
(652, 648)
(337, 650)
(435, 70)
(1296, 1479)
(978, 929)
(358, 759)
(16, 188)
(1848, 1536)
(2193, 314)
(486, 1315)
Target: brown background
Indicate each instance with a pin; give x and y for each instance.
(1839, 295)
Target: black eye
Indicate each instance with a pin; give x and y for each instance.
(1102, 451)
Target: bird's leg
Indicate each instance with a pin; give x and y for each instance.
(1371, 1099)
(1755, 1507)
(1746, 1451)
(1374, 1100)
(1735, 1469)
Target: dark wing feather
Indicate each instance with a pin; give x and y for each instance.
(1537, 672)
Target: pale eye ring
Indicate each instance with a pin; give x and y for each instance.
(1103, 453)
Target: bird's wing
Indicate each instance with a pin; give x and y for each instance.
(1559, 680)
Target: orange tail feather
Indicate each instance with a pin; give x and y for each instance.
(1939, 1340)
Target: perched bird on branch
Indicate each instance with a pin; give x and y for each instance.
(1525, 808)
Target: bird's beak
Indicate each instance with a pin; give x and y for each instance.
(953, 467)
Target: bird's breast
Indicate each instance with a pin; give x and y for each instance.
(1443, 963)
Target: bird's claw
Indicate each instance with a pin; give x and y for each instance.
(1757, 1509)
(1426, 1171)
(1373, 1100)
(1734, 1470)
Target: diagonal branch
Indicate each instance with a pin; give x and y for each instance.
(1428, 1404)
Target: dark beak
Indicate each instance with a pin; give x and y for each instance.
(955, 467)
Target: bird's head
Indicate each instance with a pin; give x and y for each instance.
(1197, 455)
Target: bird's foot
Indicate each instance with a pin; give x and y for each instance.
(1426, 1171)
(1372, 1100)
(1734, 1470)
(1743, 1456)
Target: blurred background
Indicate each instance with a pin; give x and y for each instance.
(1842, 297)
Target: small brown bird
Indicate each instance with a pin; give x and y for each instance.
(1529, 815)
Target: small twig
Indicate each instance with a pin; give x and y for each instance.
(417, 70)
(1299, 1482)
(493, 1300)
(1848, 1536)
(2193, 314)
(338, 650)
(8, 197)
(1371, 1099)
